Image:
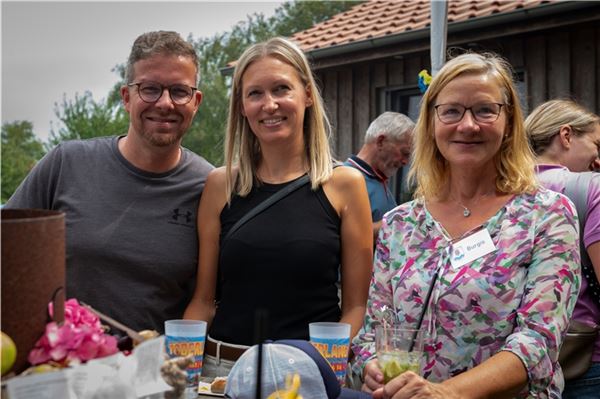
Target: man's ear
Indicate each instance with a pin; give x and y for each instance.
(379, 140)
(565, 136)
(125, 96)
(198, 96)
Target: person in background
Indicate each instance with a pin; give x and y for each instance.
(283, 262)
(387, 147)
(566, 139)
(498, 252)
(130, 201)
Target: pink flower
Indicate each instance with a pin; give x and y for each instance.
(79, 339)
(77, 314)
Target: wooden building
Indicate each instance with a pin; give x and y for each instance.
(368, 58)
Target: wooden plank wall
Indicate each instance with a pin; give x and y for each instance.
(563, 62)
(351, 96)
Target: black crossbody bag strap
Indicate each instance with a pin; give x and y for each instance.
(284, 192)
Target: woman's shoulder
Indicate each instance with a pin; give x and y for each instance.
(413, 210)
(546, 197)
(542, 203)
(214, 189)
(217, 176)
(345, 172)
(346, 178)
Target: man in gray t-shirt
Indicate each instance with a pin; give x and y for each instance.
(131, 201)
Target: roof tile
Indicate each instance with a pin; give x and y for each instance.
(378, 18)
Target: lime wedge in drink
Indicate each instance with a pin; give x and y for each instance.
(394, 364)
(391, 369)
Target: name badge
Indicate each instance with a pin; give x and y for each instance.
(471, 247)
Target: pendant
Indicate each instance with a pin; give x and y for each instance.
(466, 212)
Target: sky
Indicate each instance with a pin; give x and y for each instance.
(52, 49)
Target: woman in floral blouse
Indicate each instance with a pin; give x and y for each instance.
(500, 254)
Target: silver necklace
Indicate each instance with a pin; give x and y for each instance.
(466, 211)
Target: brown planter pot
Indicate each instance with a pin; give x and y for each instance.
(33, 274)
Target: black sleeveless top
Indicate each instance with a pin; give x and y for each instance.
(285, 260)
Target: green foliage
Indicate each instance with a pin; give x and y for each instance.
(20, 151)
(294, 17)
(84, 118)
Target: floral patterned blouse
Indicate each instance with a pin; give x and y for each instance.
(517, 298)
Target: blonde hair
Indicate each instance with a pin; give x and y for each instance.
(514, 161)
(241, 145)
(545, 122)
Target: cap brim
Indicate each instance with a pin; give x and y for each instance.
(352, 394)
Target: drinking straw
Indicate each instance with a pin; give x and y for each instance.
(260, 327)
(426, 305)
(428, 296)
(385, 332)
(259, 372)
(385, 313)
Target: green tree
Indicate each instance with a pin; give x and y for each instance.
(296, 16)
(20, 151)
(84, 118)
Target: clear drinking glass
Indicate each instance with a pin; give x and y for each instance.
(398, 350)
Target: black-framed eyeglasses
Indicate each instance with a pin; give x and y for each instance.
(150, 92)
(482, 112)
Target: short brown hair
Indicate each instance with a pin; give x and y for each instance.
(159, 43)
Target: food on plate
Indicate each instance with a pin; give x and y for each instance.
(43, 368)
(146, 335)
(218, 385)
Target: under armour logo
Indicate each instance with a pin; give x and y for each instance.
(187, 215)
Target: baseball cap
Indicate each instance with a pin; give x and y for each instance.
(283, 358)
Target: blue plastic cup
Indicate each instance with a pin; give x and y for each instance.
(184, 337)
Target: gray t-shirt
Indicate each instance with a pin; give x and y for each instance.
(131, 237)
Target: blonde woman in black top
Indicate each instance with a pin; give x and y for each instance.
(286, 260)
